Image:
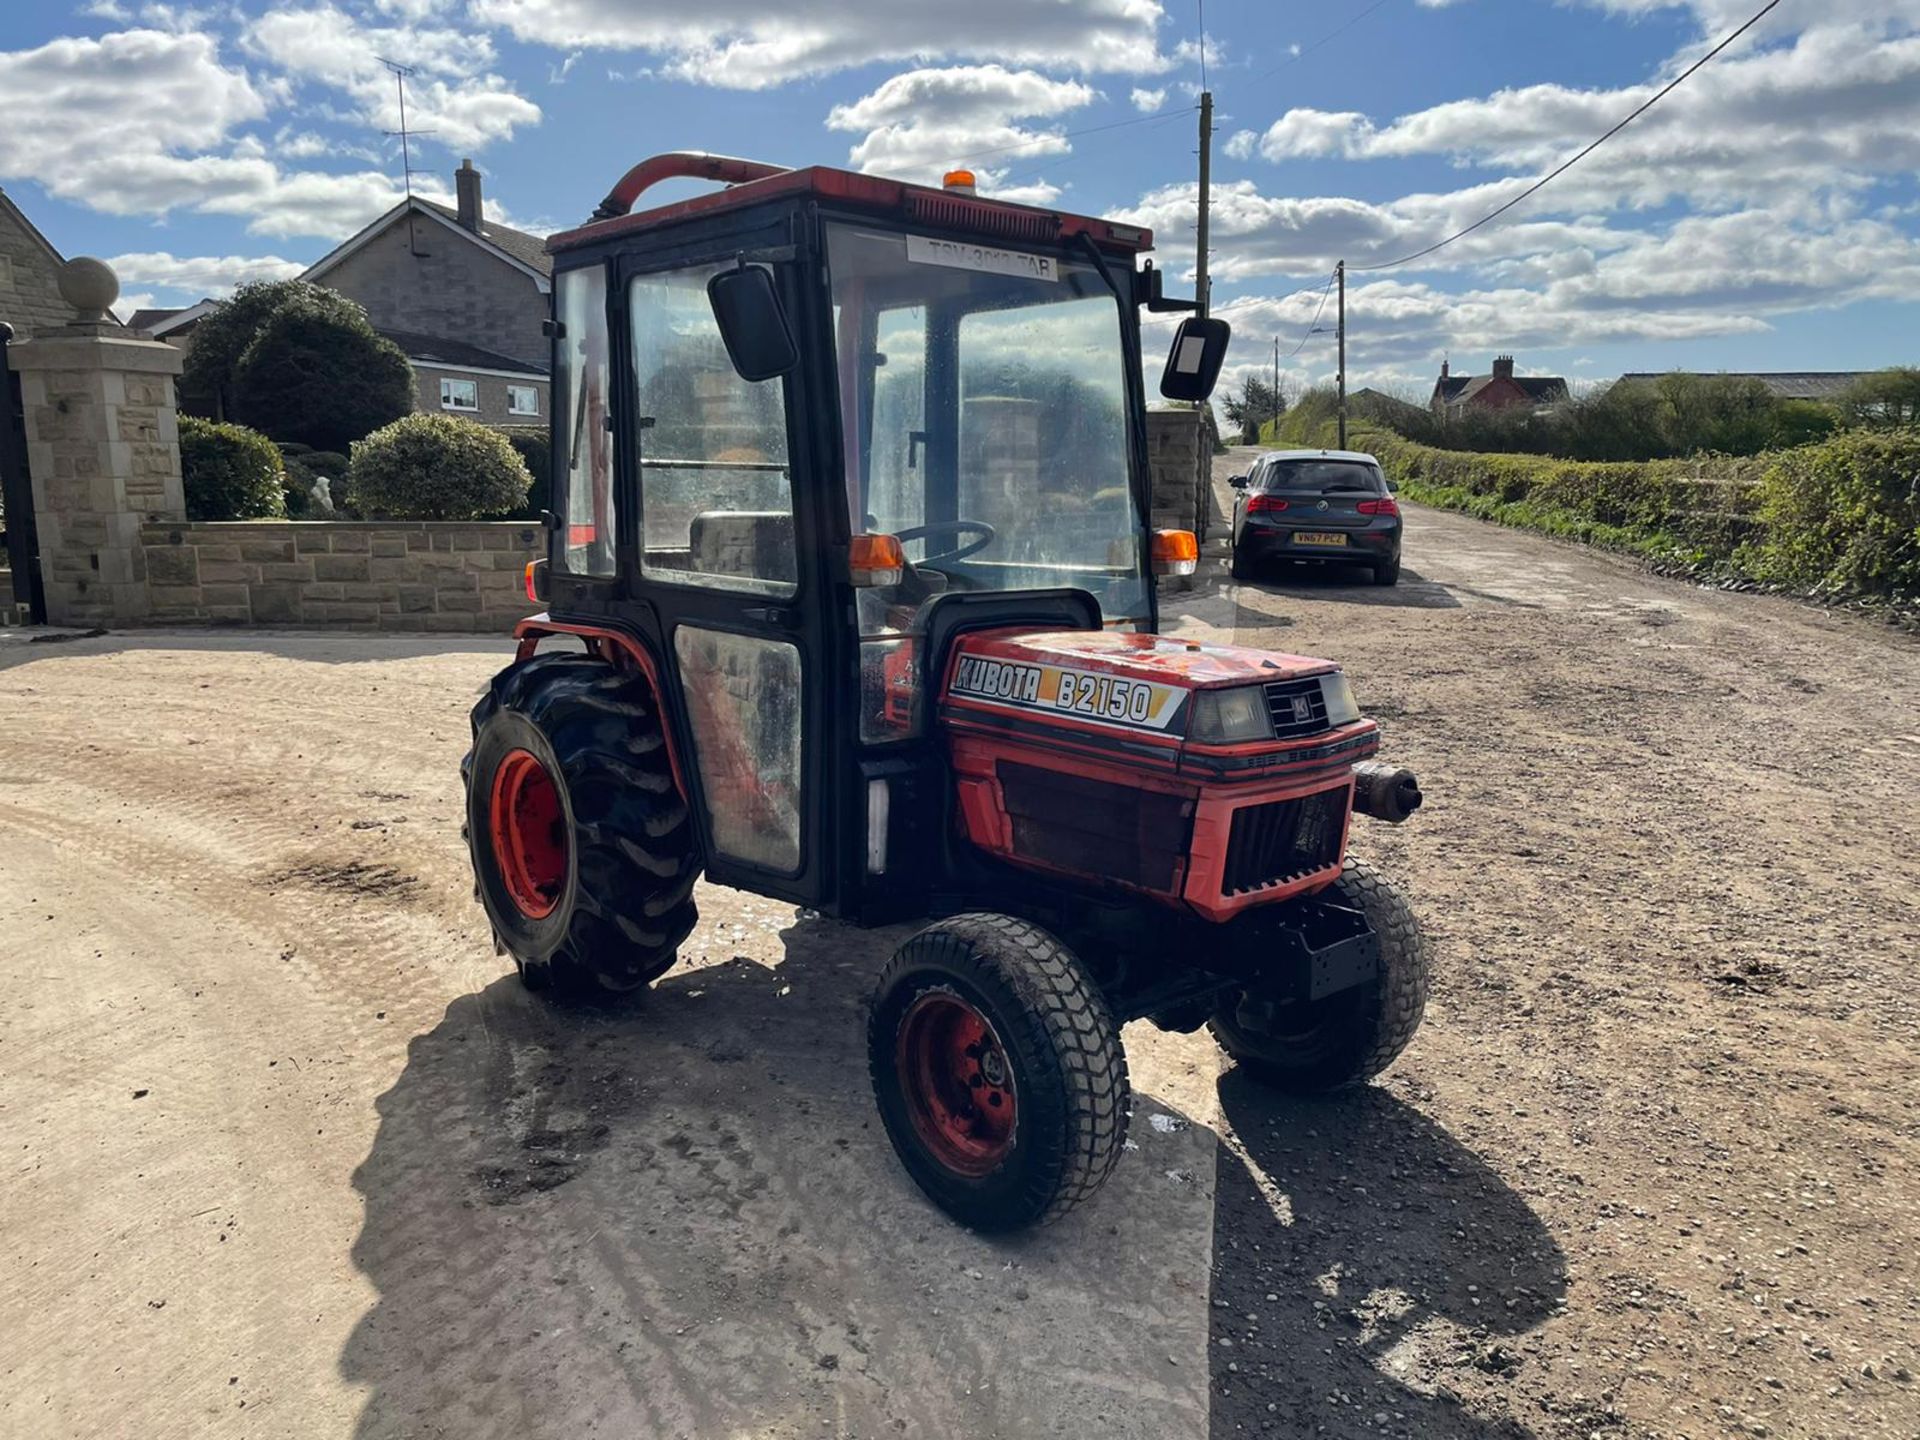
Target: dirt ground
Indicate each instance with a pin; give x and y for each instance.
(291, 1154)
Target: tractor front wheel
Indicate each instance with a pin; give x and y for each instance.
(998, 1071)
(583, 852)
(1309, 1047)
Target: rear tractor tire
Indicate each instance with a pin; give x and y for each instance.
(998, 1071)
(1343, 1039)
(584, 855)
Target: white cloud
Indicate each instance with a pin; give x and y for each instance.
(924, 122)
(201, 275)
(746, 44)
(453, 93)
(1148, 100)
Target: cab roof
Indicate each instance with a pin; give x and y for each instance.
(925, 204)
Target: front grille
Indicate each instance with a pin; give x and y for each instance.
(1298, 707)
(1095, 828)
(1283, 841)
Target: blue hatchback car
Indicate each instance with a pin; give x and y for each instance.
(1324, 505)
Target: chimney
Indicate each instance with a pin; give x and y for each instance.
(1443, 370)
(466, 186)
(1502, 364)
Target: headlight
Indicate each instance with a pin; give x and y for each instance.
(1223, 717)
(1341, 706)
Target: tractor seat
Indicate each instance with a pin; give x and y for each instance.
(750, 544)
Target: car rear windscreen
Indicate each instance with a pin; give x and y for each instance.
(1323, 477)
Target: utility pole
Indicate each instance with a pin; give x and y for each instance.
(1340, 273)
(1276, 387)
(1206, 197)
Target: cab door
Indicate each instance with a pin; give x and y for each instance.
(721, 583)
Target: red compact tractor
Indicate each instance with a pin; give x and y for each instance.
(850, 520)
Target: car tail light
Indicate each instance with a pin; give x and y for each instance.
(1388, 506)
(1265, 504)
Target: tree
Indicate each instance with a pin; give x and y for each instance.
(320, 375)
(1886, 399)
(215, 345)
(436, 467)
(1257, 403)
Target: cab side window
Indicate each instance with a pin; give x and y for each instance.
(585, 461)
(716, 493)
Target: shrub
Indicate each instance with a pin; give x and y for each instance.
(229, 472)
(436, 467)
(321, 376)
(306, 467)
(1844, 517)
(533, 443)
(1887, 398)
(215, 345)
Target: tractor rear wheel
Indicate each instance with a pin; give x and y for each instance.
(1343, 1039)
(998, 1071)
(583, 852)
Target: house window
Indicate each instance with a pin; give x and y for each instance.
(459, 395)
(523, 400)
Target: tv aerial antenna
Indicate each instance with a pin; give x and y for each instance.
(401, 74)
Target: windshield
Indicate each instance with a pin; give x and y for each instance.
(1323, 477)
(984, 403)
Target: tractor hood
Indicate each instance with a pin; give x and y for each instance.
(1161, 659)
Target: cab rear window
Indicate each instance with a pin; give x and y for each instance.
(1323, 477)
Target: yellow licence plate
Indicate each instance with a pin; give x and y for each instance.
(1317, 537)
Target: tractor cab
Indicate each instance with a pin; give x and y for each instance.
(851, 518)
(791, 416)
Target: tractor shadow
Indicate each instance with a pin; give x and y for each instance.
(1384, 1264)
(681, 1217)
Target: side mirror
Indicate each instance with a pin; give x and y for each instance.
(1193, 365)
(1393, 485)
(1238, 482)
(752, 322)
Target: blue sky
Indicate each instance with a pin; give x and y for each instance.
(1767, 216)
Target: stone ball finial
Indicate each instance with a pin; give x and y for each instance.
(90, 287)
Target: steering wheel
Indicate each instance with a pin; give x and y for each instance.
(981, 529)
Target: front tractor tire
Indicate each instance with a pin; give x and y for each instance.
(998, 1071)
(583, 852)
(1343, 1039)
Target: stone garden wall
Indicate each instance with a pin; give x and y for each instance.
(376, 575)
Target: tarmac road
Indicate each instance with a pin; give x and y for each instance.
(291, 1154)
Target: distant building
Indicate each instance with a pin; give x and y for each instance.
(171, 325)
(29, 275)
(1785, 384)
(1501, 390)
(465, 297)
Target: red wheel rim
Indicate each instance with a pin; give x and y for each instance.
(529, 834)
(957, 1083)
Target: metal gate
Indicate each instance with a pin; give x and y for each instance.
(29, 599)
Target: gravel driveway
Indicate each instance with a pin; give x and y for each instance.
(291, 1156)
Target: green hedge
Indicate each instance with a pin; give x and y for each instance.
(229, 472)
(534, 445)
(1843, 517)
(436, 467)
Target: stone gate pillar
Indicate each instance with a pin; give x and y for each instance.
(103, 446)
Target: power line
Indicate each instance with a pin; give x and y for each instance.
(1545, 180)
(1333, 34)
(1159, 114)
(1318, 310)
(1169, 114)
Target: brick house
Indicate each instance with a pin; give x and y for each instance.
(466, 298)
(29, 275)
(1500, 390)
